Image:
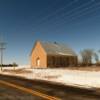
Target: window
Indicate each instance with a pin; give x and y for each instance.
(38, 61)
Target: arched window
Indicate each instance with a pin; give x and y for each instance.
(38, 61)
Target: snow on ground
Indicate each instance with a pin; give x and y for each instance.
(85, 79)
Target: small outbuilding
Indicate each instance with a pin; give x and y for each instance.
(47, 54)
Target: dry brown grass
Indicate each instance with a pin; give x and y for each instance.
(81, 68)
(17, 71)
(85, 68)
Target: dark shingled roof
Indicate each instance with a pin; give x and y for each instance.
(57, 49)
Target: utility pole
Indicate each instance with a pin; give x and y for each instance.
(2, 48)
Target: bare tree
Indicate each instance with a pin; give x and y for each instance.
(86, 56)
(96, 57)
(99, 51)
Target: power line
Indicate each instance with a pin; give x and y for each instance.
(77, 15)
(44, 19)
(80, 13)
(70, 12)
(57, 11)
(51, 5)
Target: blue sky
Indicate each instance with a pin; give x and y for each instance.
(73, 22)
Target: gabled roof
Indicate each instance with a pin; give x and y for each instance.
(57, 49)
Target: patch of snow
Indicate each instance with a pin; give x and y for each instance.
(85, 79)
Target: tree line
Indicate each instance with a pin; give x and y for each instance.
(87, 56)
